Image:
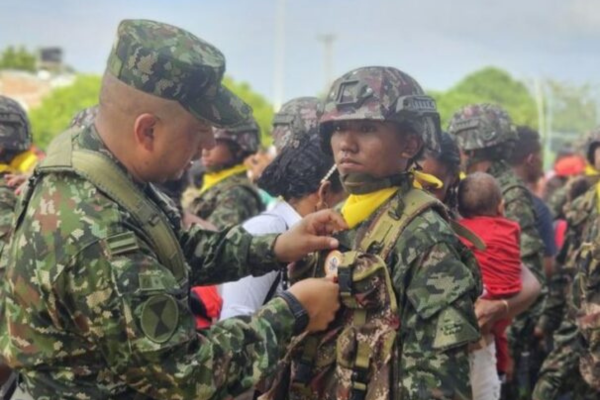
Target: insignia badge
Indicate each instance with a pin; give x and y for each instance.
(332, 262)
(160, 317)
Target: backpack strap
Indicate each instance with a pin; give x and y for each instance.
(103, 173)
(468, 234)
(393, 218)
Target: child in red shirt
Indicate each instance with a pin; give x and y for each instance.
(480, 204)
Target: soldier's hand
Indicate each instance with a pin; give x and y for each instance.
(309, 235)
(320, 299)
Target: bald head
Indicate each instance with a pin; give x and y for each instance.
(121, 104)
(479, 195)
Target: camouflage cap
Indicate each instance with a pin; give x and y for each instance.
(296, 119)
(15, 131)
(245, 134)
(173, 64)
(592, 142)
(480, 126)
(85, 117)
(382, 94)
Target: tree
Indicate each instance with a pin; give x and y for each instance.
(573, 107)
(262, 109)
(489, 85)
(60, 106)
(20, 59)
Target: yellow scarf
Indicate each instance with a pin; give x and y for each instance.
(24, 162)
(212, 178)
(359, 207)
(591, 171)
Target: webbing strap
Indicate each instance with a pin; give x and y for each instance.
(107, 177)
(468, 234)
(387, 226)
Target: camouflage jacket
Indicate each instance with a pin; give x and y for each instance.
(90, 313)
(230, 202)
(586, 295)
(435, 292)
(8, 200)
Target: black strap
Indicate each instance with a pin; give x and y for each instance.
(273, 287)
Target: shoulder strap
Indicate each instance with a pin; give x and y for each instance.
(393, 219)
(107, 177)
(468, 234)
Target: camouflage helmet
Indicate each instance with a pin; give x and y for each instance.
(246, 135)
(381, 94)
(15, 131)
(84, 117)
(296, 119)
(592, 142)
(480, 126)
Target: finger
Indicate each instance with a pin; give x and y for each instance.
(328, 220)
(316, 243)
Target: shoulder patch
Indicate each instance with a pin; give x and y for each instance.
(122, 243)
(453, 329)
(160, 316)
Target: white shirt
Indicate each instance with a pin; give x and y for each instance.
(247, 295)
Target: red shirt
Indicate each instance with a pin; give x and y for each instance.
(500, 262)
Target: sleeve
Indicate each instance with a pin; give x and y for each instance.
(8, 200)
(233, 207)
(438, 323)
(217, 257)
(139, 318)
(519, 208)
(546, 228)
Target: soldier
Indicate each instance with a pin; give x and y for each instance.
(227, 197)
(407, 283)
(485, 135)
(98, 269)
(15, 157)
(560, 371)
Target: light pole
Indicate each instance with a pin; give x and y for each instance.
(327, 40)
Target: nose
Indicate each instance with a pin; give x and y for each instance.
(346, 141)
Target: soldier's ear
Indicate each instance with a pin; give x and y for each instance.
(412, 146)
(143, 130)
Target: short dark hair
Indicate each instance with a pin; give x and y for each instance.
(527, 143)
(479, 194)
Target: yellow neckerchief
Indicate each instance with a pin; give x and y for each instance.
(359, 207)
(212, 178)
(591, 171)
(24, 162)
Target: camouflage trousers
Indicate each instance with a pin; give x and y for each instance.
(560, 374)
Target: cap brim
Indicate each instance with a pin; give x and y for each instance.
(223, 110)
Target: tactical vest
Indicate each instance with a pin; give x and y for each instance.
(105, 175)
(358, 356)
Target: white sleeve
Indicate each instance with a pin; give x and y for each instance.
(247, 295)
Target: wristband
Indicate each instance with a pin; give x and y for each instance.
(299, 312)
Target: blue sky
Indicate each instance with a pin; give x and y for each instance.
(436, 41)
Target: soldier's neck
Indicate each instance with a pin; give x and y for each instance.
(479, 166)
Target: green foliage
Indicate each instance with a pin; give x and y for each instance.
(263, 110)
(60, 106)
(489, 85)
(573, 107)
(19, 59)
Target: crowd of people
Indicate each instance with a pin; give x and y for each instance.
(157, 251)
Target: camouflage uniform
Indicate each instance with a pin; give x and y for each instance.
(15, 136)
(87, 116)
(296, 118)
(560, 371)
(235, 199)
(89, 310)
(486, 127)
(432, 316)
